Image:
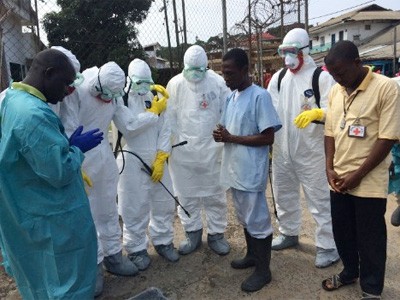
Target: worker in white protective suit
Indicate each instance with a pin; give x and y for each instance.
(298, 152)
(93, 105)
(143, 202)
(197, 97)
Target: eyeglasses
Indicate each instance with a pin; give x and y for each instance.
(287, 49)
(106, 93)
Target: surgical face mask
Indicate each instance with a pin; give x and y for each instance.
(292, 62)
(194, 74)
(141, 87)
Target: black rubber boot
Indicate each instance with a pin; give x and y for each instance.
(247, 261)
(262, 273)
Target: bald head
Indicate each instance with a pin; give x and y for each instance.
(51, 73)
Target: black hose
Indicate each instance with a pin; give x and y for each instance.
(147, 169)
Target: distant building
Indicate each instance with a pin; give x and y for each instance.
(18, 43)
(371, 28)
(152, 59)
(359, 26)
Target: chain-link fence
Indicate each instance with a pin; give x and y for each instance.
(159, 31)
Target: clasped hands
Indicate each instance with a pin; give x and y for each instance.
(221, 134)
(343, 184)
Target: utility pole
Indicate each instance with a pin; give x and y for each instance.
(169, 38)
(394, 49)
(37, 26)
(298, 12)
(250, 50)
(184, 25)
(282, 24)
(306, 15)
(177, 35)
(224, 27)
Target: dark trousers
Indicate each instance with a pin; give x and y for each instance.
(359, 230)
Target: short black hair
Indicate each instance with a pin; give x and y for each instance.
(239, 56)
(342, 51)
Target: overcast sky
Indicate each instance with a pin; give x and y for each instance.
(204, 18)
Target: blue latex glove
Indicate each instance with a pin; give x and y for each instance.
(86, 141)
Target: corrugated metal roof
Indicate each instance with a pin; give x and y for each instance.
(368, 52)
(369, 13)
(377, 15)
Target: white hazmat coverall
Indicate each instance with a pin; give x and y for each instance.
(299, 157)
(194, 109)
(144, 204)
(81, 108)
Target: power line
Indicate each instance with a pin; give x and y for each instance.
(330, 14)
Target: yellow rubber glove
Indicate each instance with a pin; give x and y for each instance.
(158, 165)
(306, 117)
(158, 106)
(87, 180)
(160, 89)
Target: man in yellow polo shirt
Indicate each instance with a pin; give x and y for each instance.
(362, 124)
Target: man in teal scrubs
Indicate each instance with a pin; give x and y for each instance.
(46, 226)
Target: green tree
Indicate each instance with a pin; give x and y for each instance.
(98, 31)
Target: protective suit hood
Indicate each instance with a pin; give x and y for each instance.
(298, 37)
(111, 77)
(140, 70)
(195, 56)
(74, 61)
(139, 77)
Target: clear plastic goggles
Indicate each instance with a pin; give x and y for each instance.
(105, 93)
(78, 80)
(289, 49)
(194, 74)
(198, 69)
(141, 86)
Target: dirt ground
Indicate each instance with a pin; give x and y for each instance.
(205, 275)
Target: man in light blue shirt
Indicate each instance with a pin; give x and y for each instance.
(247, 128)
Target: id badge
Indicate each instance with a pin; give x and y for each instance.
(306, 105)
(357, 131)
